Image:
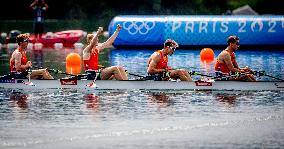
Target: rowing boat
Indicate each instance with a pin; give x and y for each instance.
(89, 85)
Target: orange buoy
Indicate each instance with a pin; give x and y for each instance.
(207, 55)
(73, 63)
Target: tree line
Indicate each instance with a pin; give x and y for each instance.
(100, 9)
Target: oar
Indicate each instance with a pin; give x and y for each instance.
(56, 71)
(210, 76)
(199, 74)
(136, 75)
(262, 73)
(217, 76)
(257, 73)
(274, 77)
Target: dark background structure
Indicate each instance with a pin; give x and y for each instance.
(86, 14)
(105, 9)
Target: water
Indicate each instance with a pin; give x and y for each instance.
(136, 60)
(121, 119)
(147, 119)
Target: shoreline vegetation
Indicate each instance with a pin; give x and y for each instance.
(88, 15)
(51, 25)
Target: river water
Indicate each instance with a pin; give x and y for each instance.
(146, 119)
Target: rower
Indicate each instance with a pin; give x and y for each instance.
(158, 68)
(91, 56)
(19, 64)
(227, 65)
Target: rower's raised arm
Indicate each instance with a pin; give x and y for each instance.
(94, 40)
(108, 43)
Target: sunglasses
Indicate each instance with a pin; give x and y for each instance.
(173, 48)
(26, 40)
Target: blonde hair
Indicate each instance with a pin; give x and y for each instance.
(89, 38)
(20, 38)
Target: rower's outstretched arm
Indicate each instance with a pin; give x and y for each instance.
(108, 43)
(94, 40)
(33, 3)
(45, 4)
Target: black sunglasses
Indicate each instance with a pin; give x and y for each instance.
(173, 48)
(26, 40)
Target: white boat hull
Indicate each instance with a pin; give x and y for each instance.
(140, 85)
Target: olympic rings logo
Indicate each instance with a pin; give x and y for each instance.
(143, 27)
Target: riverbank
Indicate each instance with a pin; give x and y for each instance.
(52, 25)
